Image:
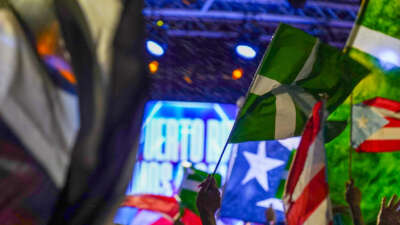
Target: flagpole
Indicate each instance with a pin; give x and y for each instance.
(223, 150)
(229, 137)
(240, 110)
(351, 136)
(234, 123)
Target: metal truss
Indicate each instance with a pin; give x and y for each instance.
(315, 12)
(330, 20)
(201, 37)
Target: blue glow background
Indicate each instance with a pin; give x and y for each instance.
(165, 110)
(180, 110)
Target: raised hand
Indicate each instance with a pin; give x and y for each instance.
(353, 194)
(353, 198)
(389, 214)
(208, 201)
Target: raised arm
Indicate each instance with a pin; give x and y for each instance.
(208, 201)
(353, 198)
(389, 214)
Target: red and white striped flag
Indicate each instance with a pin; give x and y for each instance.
(306, 195)
(376, 125)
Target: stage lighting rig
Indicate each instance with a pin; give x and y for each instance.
(297, 3)
(246, 50)
(237, 73)
(157, 41)
(246, 47)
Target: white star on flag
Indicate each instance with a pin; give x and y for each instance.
(277, 204)
(260, 164)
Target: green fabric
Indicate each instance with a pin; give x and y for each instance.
(200, 176)
(375, 174)
(379, 15)
(188, 199)
(301, 120)
(293, 46)
(382, 16)
(333, 73)
(383, 179)
(285, 55)
(257, 119)
(333, 129)
(188, 196)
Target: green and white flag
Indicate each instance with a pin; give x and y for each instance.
(295, 70)
(190, 187)
(375, 38)
(375, 43)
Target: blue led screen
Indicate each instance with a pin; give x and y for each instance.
(177, 132)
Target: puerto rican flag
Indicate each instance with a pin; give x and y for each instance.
(150, 209)
(306, 195)
(376, 126)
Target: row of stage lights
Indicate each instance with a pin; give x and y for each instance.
(153, 68)
(243, 50)
(388, 58)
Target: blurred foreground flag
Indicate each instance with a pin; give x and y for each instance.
(153, 210)
(376, 125)
(375, 39)
(163, 204)
(295, 70)
(135, 216)
(39, 121)
(257, 170)
(306, 195)
(190, 187)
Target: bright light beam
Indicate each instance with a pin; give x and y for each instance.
(245, 51)
(154, 48)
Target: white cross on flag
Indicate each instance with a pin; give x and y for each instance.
(306, 195)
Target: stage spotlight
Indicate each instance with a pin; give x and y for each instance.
(187, 79)
(160, 23)
(246, 51)
(237, 74)
(153, 67)
(154, 48)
